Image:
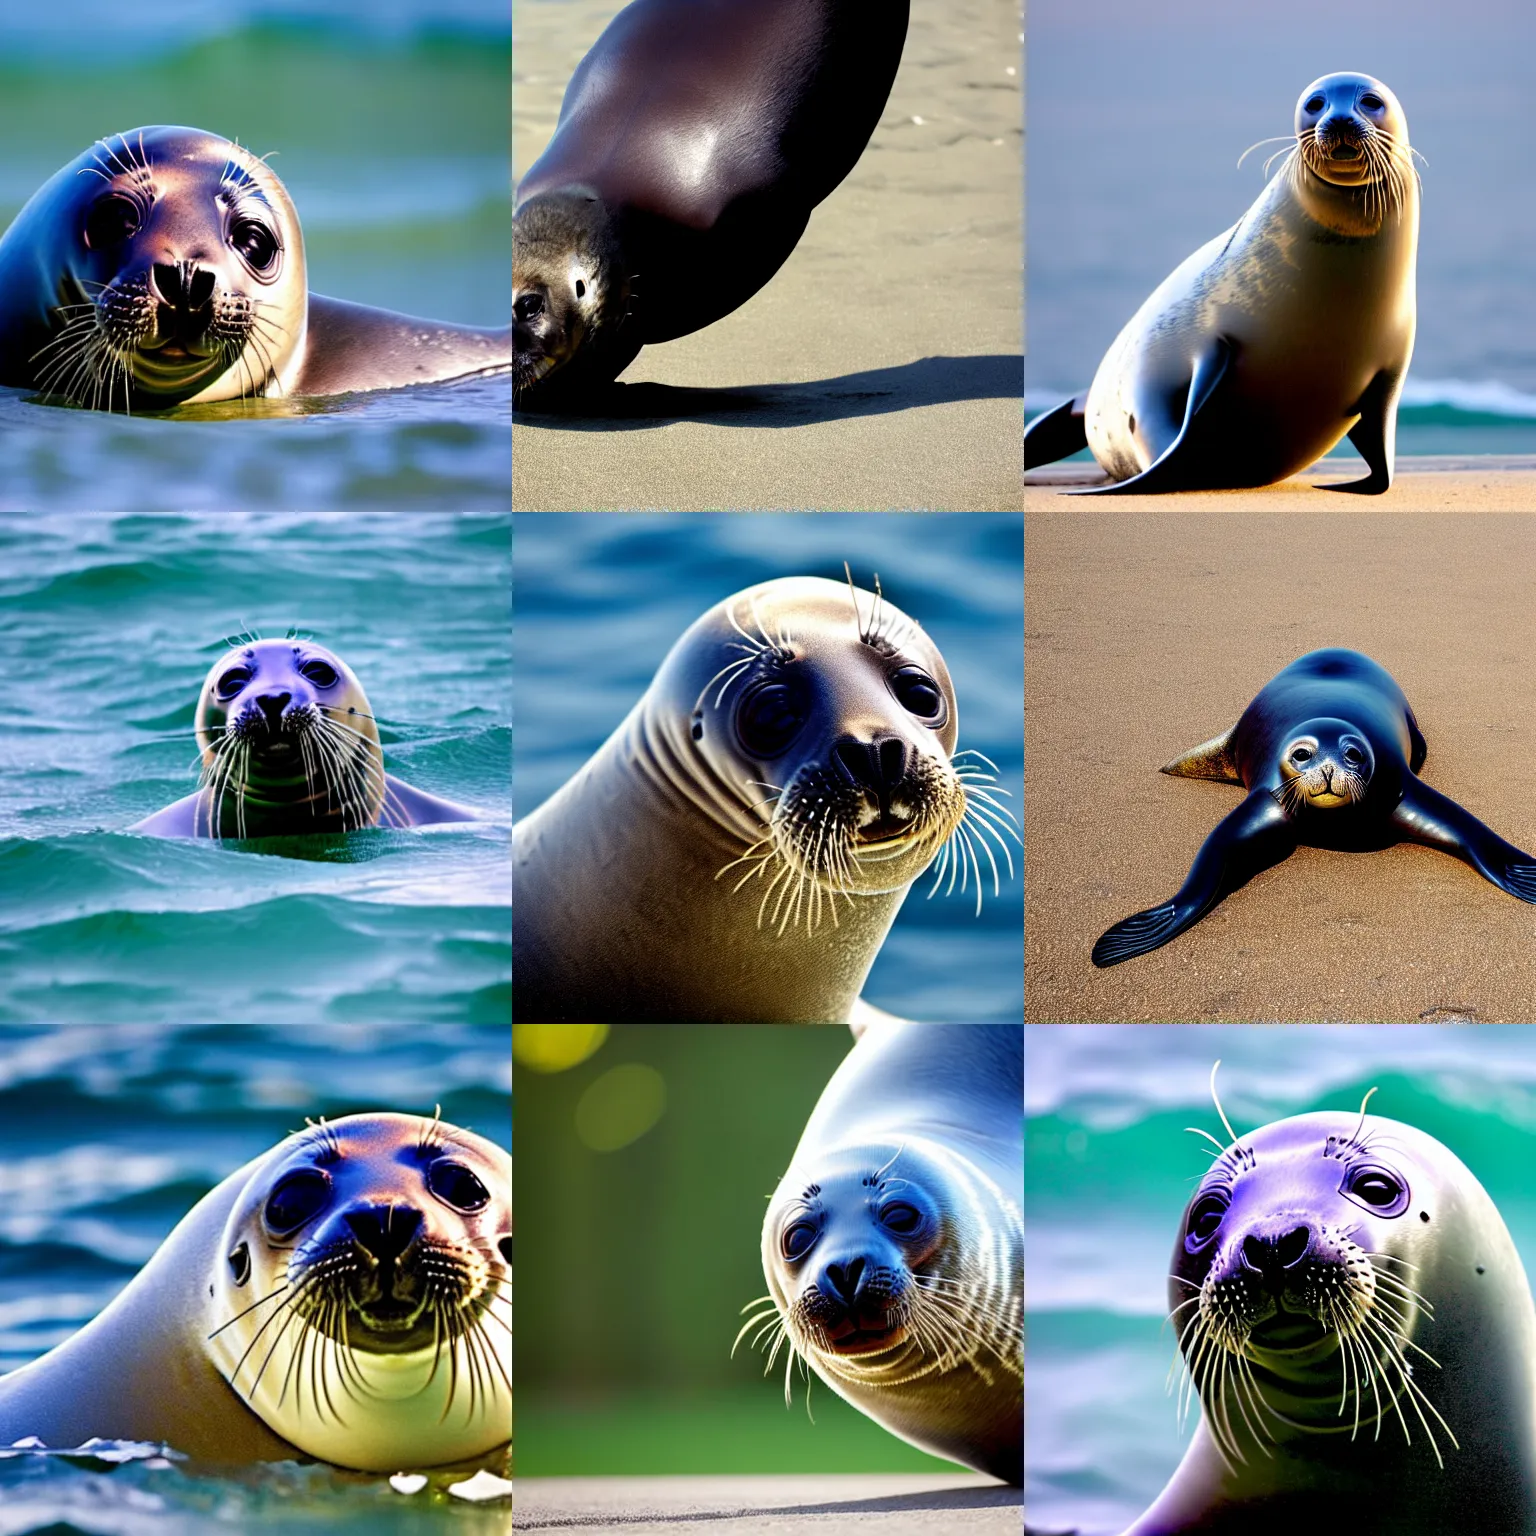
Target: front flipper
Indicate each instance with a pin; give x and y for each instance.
(1257, 834)
(1374, 436)
(1426, 816)
(1056, 435)
(350, 346)
(1169, 472)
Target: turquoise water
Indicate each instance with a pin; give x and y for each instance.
(107, 1138)
(1109, 1168)
(601, 598)
(1127, 177)
(390, 124)
(107, 627)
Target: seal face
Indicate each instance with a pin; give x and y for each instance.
(1329, 752)
(165, 266)
(893, 1248)
(1274, 340)
(1355, 1320)
(363, 1293)
(694, 140)
(289, 745)
(790, 772)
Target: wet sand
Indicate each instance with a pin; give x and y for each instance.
(882, 366)
(1149, 625)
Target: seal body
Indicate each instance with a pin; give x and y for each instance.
(290, 746)
(1358, 1326)
(894, 1245)
(1329, 752)
(693, 142)
(1265, 347)
(739, 847)
(165, 266)
(346, 1296)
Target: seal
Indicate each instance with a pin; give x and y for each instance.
(893, 1247)
(345, 1296)
(165, 266)
(738, 849)
(693, 143)
(289, 745)
(1329, 752)
(1258, 353)
(1354, 1316)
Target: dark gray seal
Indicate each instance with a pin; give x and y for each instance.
(165, 266)
(1329, 753)
(694, 141)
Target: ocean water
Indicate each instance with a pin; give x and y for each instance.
(390, 124)
(1109, 1168)
(108, 624)
(1127, 177)
(600, 599)
(108, 1136)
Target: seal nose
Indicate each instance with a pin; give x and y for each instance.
(272, 706)
(385, 1231)
(1270, 1257)
(843, 1280)
(183, 284)
(878, 766)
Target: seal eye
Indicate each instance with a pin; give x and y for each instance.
(1372, 103)
(456, 1185)
(797, 1240)
(298, 1198)
(903, 1219)
(112, 219)
(232, 682)
(1301, 755)
(255, 243)
(320, 673)
(1353, 756)
(529, 306)
(918, 693)
(1314, 105)
(769, 718)
(1204, 1222)
(1378, 1189)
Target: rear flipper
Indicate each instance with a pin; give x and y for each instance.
(1426, 816)
(1173, 469)
(1257, 834)
(1056, 435)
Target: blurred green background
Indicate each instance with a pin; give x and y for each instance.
(645, 1156)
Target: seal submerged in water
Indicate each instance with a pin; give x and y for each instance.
(738, 849)
(1275, 339)
(893, 1247)
(1355, 1318)
(694, 141)
(346, 1296)
(165, 266)
(1329, 753)
(289, 745)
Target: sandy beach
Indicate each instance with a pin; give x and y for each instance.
(882, 366)
(1150, 624)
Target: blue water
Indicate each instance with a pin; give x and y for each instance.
(1137, 117)
(108, 1136)
(1109, 1168)
(600, 599)
(107, 627)
(390, 124)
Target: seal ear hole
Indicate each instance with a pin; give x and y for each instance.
(581, 289)
(504, 1247)
(1424, 1216)
(696, 730)
(240, 1263)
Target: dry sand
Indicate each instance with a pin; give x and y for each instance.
(1149, 625)
(882, 366)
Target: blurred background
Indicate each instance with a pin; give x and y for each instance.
(601, 598)
(1137, 116)
(390, 122)
(108, 1137)
(108, 625)
(1109, 1168)
(647, 1157)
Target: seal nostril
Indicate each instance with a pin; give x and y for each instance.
(272, 706)
(1254, 1251)
(893, 761)
(167, 280)
(384, 1231)
(200, 289)
(1291, 1249)
(857, 762)
(845, 1278)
